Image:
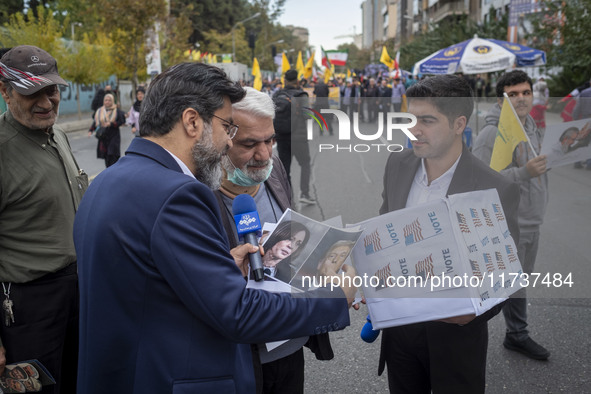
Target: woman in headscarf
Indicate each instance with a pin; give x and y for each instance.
(109, 118)
(133, 116)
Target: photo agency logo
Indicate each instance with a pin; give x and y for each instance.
(381, 140)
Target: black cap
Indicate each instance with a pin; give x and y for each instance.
(291, 75)
(29, 69)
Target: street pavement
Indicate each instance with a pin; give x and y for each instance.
(350, 185)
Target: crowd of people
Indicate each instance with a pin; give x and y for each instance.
(156, 299)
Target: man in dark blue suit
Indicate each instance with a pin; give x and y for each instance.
(163, 303)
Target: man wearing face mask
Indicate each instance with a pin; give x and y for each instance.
(250, 167)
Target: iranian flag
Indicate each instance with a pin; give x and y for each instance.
(325, 60)
(337, 58)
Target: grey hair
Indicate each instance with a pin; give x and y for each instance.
(256, 103)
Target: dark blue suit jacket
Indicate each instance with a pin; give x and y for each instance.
(163, 307)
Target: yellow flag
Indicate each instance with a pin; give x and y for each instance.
(327, 75)
(385, 58)
(215, 59)
(348, 73)
(187, 53)
(309, 67)
(196, 55)
(300, 65)
(404, 105)
(258, 78)
(209, 58)
(509, 134)
(284, 64)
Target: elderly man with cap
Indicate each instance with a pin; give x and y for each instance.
(40, 188)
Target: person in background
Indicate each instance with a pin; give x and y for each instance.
(398, 91)
(582, 110)
(109, 118)
(540, 103)
(41, 186)
(372, 94)
(528, 169)
(97, 101)
(290, 129)
(133, 116)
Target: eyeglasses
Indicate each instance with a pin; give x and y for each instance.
(231, 128)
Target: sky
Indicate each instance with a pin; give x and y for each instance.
(324, 19)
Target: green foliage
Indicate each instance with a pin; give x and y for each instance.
(8, 8)
(564, 32)
(208, 15)
(212, 22)
(88, 62)
(44, 32)
(358, 58)
(174, 40)
(129, 23)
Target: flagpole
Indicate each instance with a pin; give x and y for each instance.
(520, 124)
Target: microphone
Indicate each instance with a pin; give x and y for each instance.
(368, 334)
(248, 226)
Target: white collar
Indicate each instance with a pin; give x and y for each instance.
(183, 166)
(442, 181)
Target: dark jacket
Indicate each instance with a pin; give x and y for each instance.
(110, 145)
(160, 288)
(471, 174)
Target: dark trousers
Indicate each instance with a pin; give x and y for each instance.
(436, 357)
(299, 149)
(46, 326)
(110, 160)
(515, 309)
(285, 376)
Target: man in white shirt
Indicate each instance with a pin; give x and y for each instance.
(447, 356)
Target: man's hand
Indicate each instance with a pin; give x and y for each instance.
(536, 166)
(2, 359)
(350, 291)
(240, 254)
(460, 320)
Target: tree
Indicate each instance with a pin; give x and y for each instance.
(80, 64)
(8, 8)
(358, 58)
(43, 31)
(129, 22)
(563, 31)
(208, 15)
(77, 61)
(175, 40)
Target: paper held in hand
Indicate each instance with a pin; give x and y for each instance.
(449, 257)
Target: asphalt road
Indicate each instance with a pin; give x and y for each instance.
(350, 185)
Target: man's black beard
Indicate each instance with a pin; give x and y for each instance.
(208, 166)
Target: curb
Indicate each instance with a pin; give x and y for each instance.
(76, 125)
